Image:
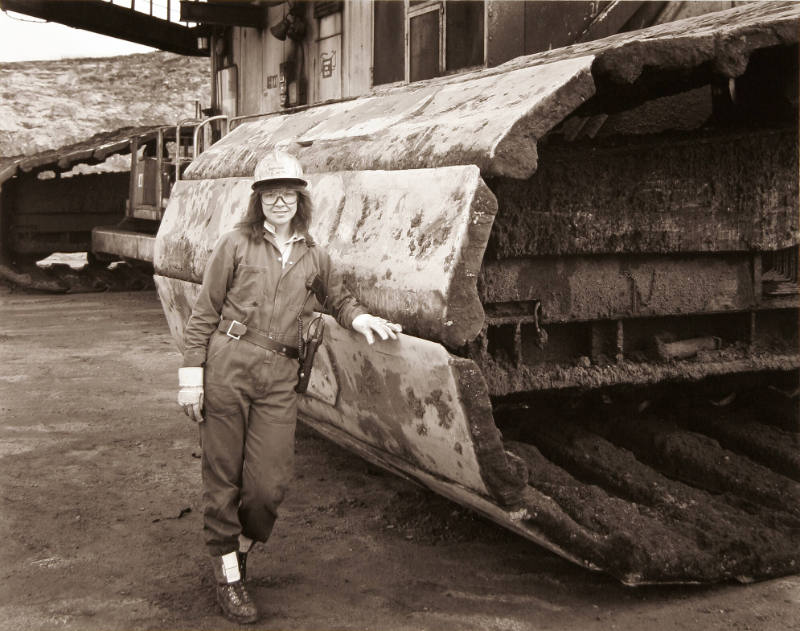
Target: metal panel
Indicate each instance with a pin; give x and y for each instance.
(273, 55)
(330, 25)
(329, 67)
(505, 31)
(610, 287)
(250, 71)
(123, 243)
(357, 61)
(227, 90)
(387, 402)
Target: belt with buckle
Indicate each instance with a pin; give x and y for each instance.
(240, 331)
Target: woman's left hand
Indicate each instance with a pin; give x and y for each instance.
(368, 325)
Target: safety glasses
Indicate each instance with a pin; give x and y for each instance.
(272, 197)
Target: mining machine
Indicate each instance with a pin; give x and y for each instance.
(572, 229)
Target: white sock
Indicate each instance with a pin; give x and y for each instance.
(230, 567)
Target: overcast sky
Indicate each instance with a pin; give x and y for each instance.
(26, 39)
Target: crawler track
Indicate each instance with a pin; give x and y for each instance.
(676, 492)
(61, 279)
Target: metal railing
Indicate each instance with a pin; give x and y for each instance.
(198, 125)
(235, 120)
(203, 123)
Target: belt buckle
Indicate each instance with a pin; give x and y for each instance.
(228, 332)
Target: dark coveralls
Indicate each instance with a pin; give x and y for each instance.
(250, 403)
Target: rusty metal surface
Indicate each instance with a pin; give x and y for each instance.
(574, 288)
(409, 244)
(704, 192)
(385, 401)
(504, 378)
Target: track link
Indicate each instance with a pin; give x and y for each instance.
(672, 493)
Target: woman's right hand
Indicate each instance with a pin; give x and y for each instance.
(368, 325)
(190, 395)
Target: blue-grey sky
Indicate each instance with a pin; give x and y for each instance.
(25, 38)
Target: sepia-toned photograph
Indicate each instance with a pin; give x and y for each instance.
(399, 315)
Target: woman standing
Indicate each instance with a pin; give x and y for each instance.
(240, 366)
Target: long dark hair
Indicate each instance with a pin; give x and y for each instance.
(253, 219)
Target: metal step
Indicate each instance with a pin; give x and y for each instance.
(124, 244)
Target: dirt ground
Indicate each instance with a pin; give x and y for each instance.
(100, 513)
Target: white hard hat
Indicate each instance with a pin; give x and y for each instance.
(278, 168)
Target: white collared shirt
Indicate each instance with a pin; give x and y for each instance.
(286, 246)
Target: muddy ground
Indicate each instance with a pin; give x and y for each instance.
(100, 513)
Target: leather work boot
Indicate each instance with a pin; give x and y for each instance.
(232, 595)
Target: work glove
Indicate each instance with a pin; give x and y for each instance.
(367, 324)
(190, 395)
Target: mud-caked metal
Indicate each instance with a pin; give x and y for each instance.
(565, 192)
